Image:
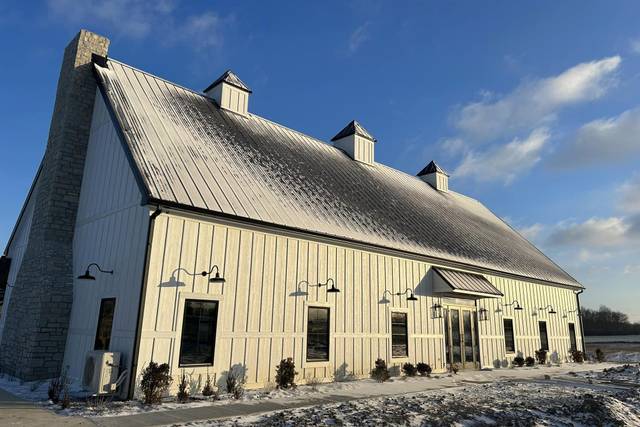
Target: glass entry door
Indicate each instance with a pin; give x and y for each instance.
(461, 339)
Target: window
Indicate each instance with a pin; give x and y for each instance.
(509, 338)
(198, 332)
(399, 336)
(544, 338)
(572, 336)
(105, 323)
(318, 334)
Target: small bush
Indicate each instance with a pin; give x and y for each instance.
(54, 390)
(208, 391)
(65, 402)
(518, 361)
(529, 361)
(314, 383)
(454, 368)
(183, 392)
(98, 402)
(599, 355)
(235, 383)
(286, 373)
(155, 382)
(380, 373)
(577, 356)
(409, 369)
(423, 369)
(541, 356)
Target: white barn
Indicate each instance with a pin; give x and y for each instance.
(229, 240)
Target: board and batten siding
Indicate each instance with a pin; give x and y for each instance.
(111, 230)
(262, 320)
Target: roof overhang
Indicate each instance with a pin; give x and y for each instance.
(448, 282)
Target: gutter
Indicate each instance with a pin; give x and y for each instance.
(584, 347)
(143, 293)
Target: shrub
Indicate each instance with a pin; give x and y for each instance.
(314, 383)
(380, 373)
(409, 369)
(235, 383)
(208, 391)
(286, 373)
(155, 382)
(454, 368)
(529, 361)
(541, 356)
(54, 390)
(599, 355)
(423, 369)
(183, 393)
(577, 356)
(518, 361)
(65, 402)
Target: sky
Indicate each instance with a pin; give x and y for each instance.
(533, 107)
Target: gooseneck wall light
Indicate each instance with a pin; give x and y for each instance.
(300, 292)
(549, 307)
(87, 274)
(516, 305)
(566, 314)
(332, 289)
(215, 279)
(411, 296)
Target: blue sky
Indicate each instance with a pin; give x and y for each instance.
(534, 109)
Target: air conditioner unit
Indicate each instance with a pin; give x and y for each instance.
(101, 371)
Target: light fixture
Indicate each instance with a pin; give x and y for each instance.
(436, 311)
(566, 314)
(87, 274)
(550, 308)
(411, 296)
(332, 289)
(483, 314)
(215, 279)
(517, 307)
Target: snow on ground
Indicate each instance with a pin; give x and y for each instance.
(624, 374)
(506, 402)
(623, 357)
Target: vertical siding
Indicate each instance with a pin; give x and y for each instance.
(263, 320)
(111, 229)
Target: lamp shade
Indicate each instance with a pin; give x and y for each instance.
(333, 289)
(86, 276)
(217, 278)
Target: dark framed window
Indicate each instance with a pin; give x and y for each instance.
(105, 324)
(197, 343)
(509, 337)
(572, 336)
(318, 334)
(399, 335)
(544, 338)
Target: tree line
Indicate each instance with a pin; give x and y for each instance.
(605, 321)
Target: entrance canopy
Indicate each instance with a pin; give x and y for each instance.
(457, 283)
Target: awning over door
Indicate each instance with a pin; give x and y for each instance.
(453, 282)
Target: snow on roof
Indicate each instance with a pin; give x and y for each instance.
(193, 155)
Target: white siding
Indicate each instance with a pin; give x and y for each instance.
(16, 251)
(111, 230)
(260, 322)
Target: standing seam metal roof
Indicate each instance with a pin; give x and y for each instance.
(460, 280)
(191, 153)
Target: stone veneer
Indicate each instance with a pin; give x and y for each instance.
(35, 333)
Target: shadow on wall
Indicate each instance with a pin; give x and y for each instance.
(342, 374)
(236, 374)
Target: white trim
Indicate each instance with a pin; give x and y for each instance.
(320, 363)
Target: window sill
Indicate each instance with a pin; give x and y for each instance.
(195, 365)
(316, 364)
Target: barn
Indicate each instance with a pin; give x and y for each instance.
(177, 226)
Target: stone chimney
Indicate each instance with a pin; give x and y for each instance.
(35, 331)
(435, 176)
(356, 142)
(230, 93)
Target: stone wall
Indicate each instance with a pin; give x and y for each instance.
(35, 333)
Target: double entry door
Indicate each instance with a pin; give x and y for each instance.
(461, 337)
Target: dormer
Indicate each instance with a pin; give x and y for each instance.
(356, 142)
(230, 93)
(435, 176)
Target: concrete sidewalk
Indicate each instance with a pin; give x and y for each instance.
(17, 412)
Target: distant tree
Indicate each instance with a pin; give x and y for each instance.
(605, 321)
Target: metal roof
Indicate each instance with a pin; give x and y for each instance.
(353, 128)
(192, 154)
(467, 282)
(432, 167)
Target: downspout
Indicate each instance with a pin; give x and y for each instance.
(584, 347)
(143, 293)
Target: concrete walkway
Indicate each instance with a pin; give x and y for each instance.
(17, 412)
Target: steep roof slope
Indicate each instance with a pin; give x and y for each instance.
(193, 154)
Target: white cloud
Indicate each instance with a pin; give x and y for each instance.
(531, 232)
(603, 140)
(137, 19)
(629, 195)
(631, 269)
(535, 102)
(635, 46)
(359, 36)
(594, 232)
(504, 163)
